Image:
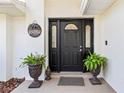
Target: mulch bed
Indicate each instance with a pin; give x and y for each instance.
(8, 86)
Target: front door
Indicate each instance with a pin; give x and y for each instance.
(70, 41)
(71, 45)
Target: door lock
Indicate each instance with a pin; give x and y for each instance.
(80, 50)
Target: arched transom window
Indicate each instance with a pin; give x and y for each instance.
(71, 27)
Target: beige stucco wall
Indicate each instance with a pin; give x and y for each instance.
(62, 8)
(112, 29)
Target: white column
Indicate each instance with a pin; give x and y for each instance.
(5, 47)
(35, 11)
(2, 47)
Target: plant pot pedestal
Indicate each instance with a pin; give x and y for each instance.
(35, 84)
(95, 81)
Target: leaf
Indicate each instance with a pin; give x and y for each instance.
(34, 59)
(93, 61)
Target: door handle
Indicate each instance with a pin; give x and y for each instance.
(80, 50)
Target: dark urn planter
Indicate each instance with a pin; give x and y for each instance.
(35, 72)
(94, 80)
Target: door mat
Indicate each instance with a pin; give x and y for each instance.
(71, 81)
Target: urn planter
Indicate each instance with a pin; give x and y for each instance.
(35, 71)
(35, 64)
(94, 80)
(93, 63)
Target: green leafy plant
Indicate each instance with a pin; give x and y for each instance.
(34, 60)
(93, 61)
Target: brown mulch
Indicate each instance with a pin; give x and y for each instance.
(8, 86)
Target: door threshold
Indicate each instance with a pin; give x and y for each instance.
(70, 74)
(67, 73)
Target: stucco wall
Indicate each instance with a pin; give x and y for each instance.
(2, 46)
(62, 8)
(15, 43)
(23, 44)
(19, 46)
(112, 27)
(6, 47)
(9, 47)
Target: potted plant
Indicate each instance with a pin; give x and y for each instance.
(93, 63)
(35, 64)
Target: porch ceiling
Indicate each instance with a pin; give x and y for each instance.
(12, 7)
(95, 7)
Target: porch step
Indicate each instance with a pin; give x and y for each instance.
(71, 74)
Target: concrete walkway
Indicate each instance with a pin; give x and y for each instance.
(52, 87)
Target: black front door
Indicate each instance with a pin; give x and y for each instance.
(71, 45)
(70, 41)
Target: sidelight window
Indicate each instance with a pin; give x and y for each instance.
(88, 36)
(54, 34)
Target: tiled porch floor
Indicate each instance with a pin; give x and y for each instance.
(51, 87)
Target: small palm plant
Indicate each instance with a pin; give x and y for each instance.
(35, 64)
(93, 63)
